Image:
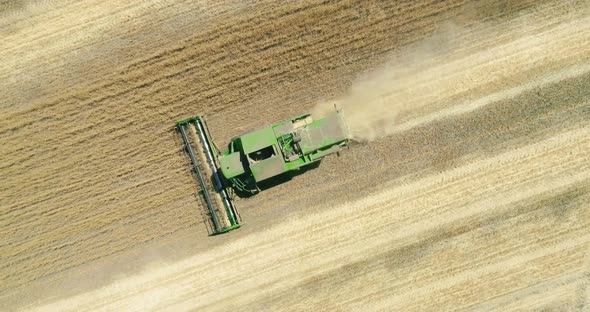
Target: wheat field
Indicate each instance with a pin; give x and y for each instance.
(468, 187)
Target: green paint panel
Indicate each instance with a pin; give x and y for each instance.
(256, 140)
(268, 168)
(231, 165)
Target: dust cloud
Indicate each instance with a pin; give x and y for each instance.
(408, 80)
(454, 66)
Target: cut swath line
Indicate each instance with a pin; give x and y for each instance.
(466, 107)
(245, 255)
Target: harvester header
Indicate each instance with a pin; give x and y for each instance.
(253, 157)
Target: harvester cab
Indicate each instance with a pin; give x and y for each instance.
(254, 157)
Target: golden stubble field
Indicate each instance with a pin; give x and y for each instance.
(469, 188)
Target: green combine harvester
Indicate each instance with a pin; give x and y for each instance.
(255, 157)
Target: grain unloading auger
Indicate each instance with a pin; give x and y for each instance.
(254, 157)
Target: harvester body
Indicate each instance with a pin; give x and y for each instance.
(285, 146)
(254, 157)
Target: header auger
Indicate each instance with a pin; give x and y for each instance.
(254, 157)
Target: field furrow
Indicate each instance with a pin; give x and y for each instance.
(467, 185)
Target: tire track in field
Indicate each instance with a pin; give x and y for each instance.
(532, 104)
(390, 220)
(95, 170)
(400, 96)
(117, 129)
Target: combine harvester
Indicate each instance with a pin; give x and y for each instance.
(254, 157)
